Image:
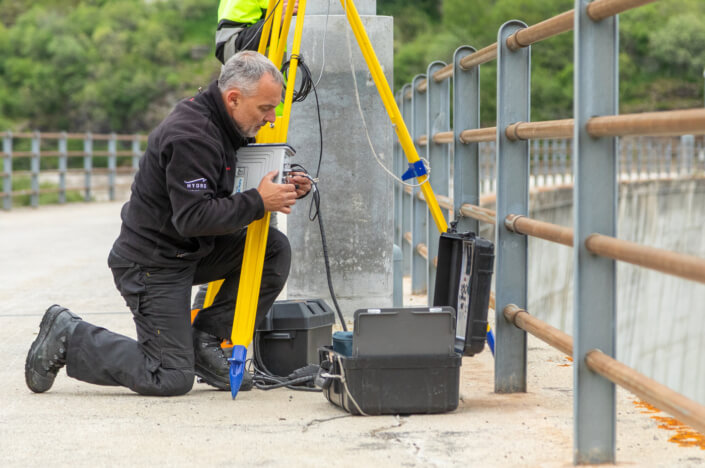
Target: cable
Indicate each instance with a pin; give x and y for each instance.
(316, 202)
(323, 46)
(426, 164)
(305, 88)
(302, 379)
(306, 81)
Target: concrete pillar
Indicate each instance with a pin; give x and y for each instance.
(357, 203)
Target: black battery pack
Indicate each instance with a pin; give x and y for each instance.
(463, 282)
(289, 336)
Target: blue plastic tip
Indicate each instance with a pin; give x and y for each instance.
(490, 341)
(237, 368)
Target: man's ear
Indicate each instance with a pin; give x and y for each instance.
(232, 98)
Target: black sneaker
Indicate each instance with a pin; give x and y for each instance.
(212, 366)
(48, 352)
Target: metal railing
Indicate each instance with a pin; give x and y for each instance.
(588, 143)
(59, 159)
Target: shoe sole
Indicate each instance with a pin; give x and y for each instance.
(209, 378)
(44, 327)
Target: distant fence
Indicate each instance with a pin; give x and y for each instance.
(65, 163)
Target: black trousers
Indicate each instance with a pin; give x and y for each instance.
(161, 361)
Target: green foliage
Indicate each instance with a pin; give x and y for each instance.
(109, 65)
(101, 66)
(662, 49)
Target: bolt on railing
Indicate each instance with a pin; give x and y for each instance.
(589, 144)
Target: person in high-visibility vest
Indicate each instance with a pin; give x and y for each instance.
(240, 24)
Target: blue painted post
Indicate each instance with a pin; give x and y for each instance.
(513, 95)
(419, 222)
(466, 157)
(7, 170)
(438, 155)
(63, 165)
(35, 166)
(595, 211)
(88, 164)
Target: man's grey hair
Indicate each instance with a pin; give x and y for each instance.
(244, 70)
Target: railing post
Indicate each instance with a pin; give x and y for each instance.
(35, 165)
(136, 153)
(88, 164)
(513, 94)
(438, 155)
(112, 165)
(419, 222)
(595, 211)
(398, 188)
(466, 159)
(7, 169)
(63, 156)
(406, 198)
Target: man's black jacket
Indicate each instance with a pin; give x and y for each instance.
(181, 196)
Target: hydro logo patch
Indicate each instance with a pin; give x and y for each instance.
(196, 184)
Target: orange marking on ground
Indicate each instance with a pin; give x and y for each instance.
(685, 436)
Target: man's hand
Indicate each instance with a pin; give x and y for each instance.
(276, 197)
(301, 183)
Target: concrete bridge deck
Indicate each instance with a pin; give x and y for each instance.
(57, 254)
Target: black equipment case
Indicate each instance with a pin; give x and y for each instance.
(403, 362)
(290, 334)
(407, 361)
(463, 282)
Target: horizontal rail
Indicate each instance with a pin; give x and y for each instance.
(479, 213)
(601, 9)
(407, 237)
(538, 130)
(669, 123)
(422, 140)
(649, 390)
(484, 55)
(422, 250)
(478, 135)
(547, 231)
(541, 31)
(545, 332)
(662, 397)
(443, 137)
(665, 261)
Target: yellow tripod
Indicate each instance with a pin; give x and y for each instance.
(277, 30)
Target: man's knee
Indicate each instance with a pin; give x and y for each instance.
(170, 382)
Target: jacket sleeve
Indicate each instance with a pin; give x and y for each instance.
(193, 169)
